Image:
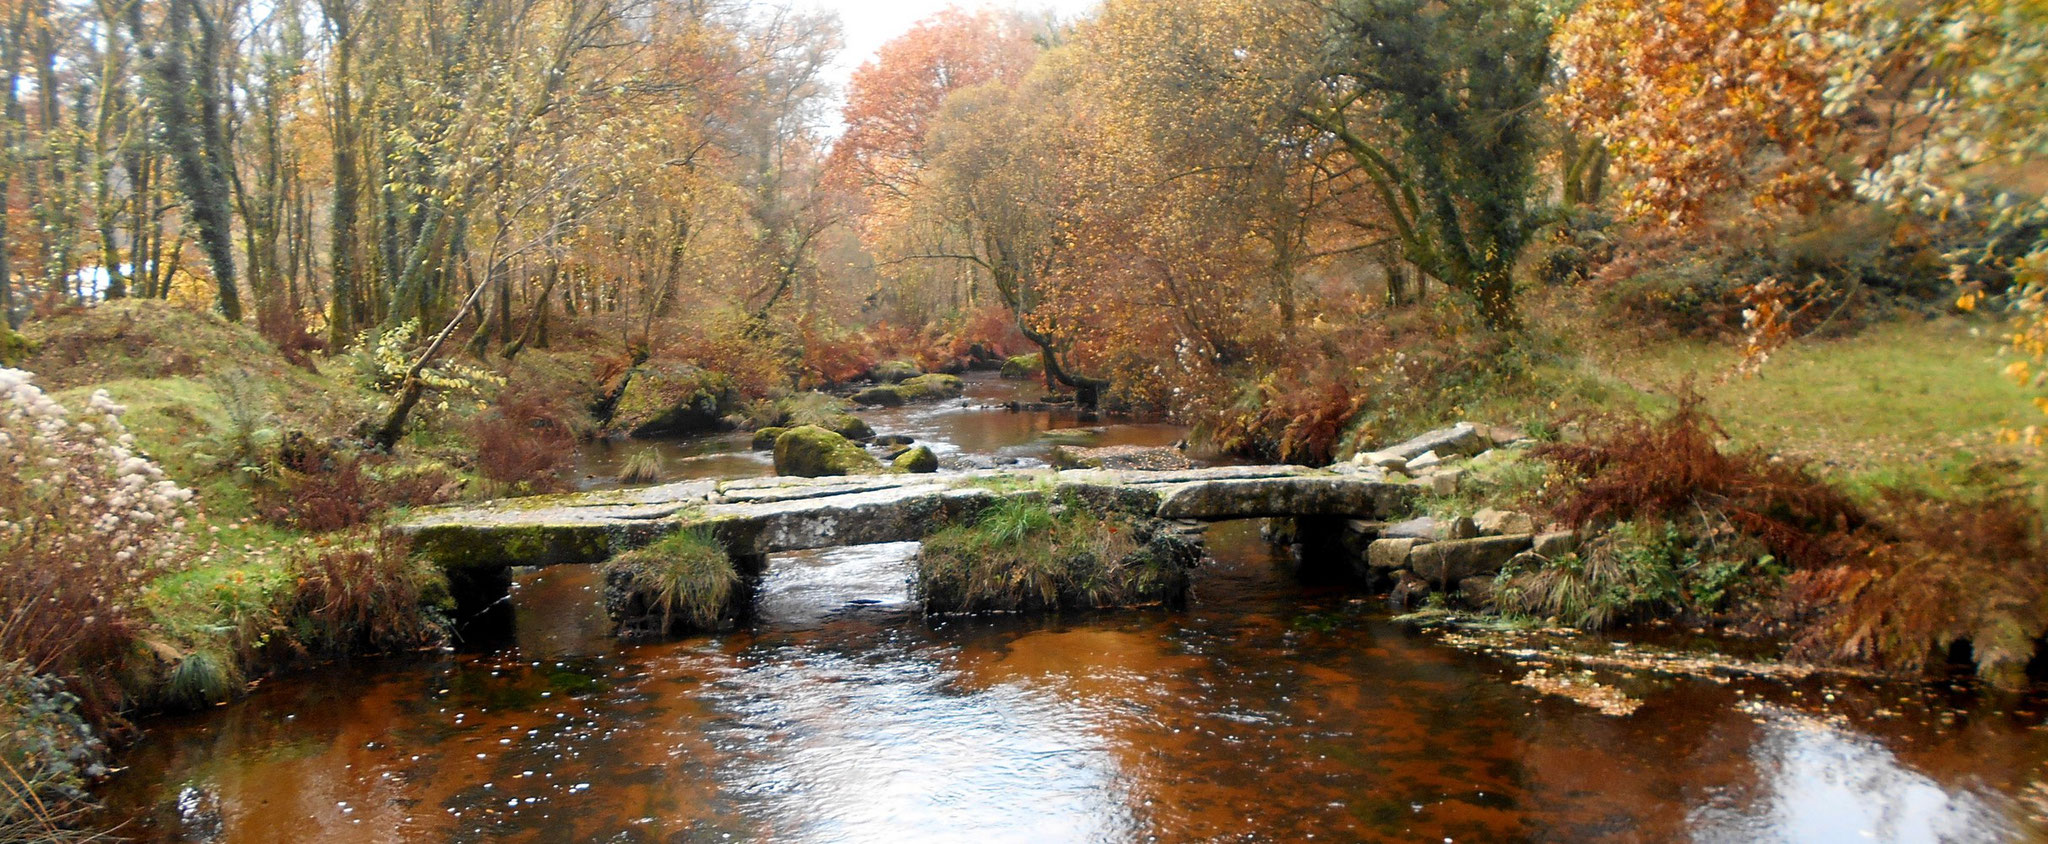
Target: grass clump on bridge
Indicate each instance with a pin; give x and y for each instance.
(1038, 554)
(685, 581)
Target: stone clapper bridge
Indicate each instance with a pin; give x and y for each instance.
(478, 544)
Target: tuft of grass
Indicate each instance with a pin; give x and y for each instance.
(1029, 554)
(199, 679)
(642, 467)
(686, 580)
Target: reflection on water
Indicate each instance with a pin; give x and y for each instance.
(1268, 710)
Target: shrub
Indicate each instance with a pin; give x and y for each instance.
(200, 678)
(1944, 574)
(525, 441)
(363, 591)
(48, 754)
(322, 492)
(1024, 554)
(85, 525)
(1673, 469)
(685, 581)
(1633, 572)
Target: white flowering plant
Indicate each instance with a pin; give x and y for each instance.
(86, 523)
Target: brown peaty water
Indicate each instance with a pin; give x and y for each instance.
(1269, 710)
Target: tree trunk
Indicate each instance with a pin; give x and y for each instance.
(197, 143)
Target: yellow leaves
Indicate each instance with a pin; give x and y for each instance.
(1968, 301)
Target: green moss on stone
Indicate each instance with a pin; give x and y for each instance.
(810, 451)
(918, 460)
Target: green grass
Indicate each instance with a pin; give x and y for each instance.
(1028, 554)
(686, 579)
(1913, 403)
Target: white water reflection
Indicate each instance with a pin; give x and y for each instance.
(881, 743)
(808, 588)
(1817, 782)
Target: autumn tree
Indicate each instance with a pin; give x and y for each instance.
(1437, 105)
(1699, 104)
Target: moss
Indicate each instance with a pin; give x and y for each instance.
(933, 387)
(810, 451)
(465, 546)
(896, 371)
(14, 347)
(880, 397)
(765, 438)
(684, 581)
(1024, 366)
(918, 460)
(1028, 555)
(673, 399)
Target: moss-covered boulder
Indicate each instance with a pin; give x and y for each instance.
(811, 452)
(880, 397)
(1030, 555)
(932, 387)
(1024, 366)
(917, 460)
(682, 583)
(895, 371)
(669, 399)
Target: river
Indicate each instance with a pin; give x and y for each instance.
(1269, 710)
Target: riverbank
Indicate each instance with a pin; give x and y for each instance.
(1914, 404)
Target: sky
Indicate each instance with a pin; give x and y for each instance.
(871, 23)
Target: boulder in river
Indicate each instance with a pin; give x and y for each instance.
(933, 387)
(673, 399)
(810, 451)
(1156, 458)
(916, 460)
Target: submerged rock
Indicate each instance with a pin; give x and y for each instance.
(810, 451)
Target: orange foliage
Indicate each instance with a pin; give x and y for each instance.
(1699, 101)
(892, 98)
